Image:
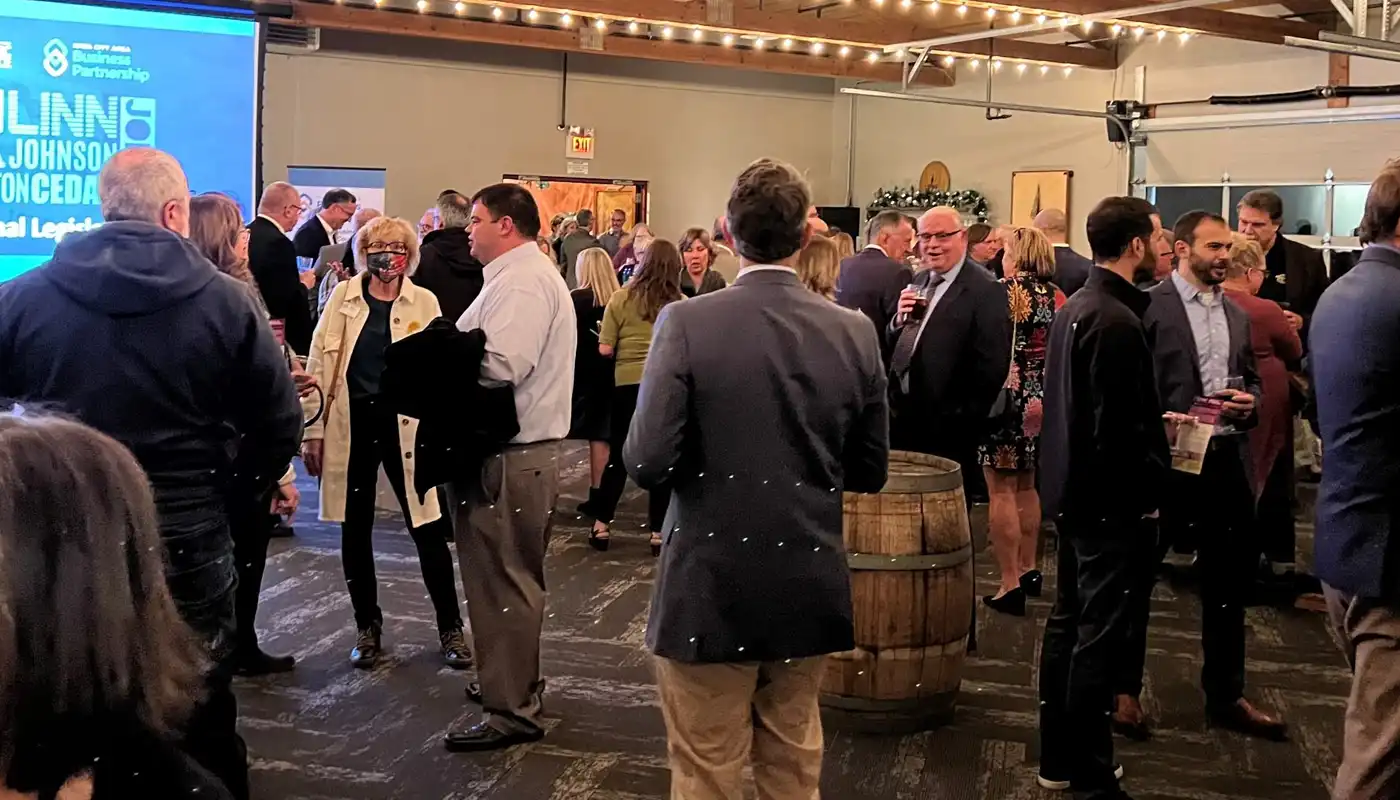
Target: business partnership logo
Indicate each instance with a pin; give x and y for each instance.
(55, 58)
(6, 62)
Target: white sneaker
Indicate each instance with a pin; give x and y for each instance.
(1060, 786)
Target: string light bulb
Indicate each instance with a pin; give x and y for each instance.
(787, 44)
(872, 56)
(566, 19)
(600, 24)
(933, 7)
(759, 44)
(974, 63)
(666, 32)
(991, 12)
(962, 9)
(1065, 22)
(1040, 19)
(878, 2)
(1016, 15)
(996, 65)
(1068, 70)
(1184, 35)
(1161, 35)
(496, 12)
(728, 40)
(844, 51)
(1088, 25)
(1138, 32)
(1116, 29)
(900, 54)
(948, 61)
(632, 27)
(460, 7)
(905, 5)
(422, 6)
(533, 16)
(1021, 69)
(1044, 68)
(817, 48)
(696, 35)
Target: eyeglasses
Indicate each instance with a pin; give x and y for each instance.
(397, 248)
(942, 237)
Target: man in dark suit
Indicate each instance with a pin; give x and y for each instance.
(1071, 269)
(1356, 373)
(272, 258)
(447, 267)
(575, 243)
(337, 207)
(747, 604)
(948, 366)
(1297, 275)
(871, 279)
(1103, 459)
(1201, 347)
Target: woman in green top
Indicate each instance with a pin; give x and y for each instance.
(626, 338)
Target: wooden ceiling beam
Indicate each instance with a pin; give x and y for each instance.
(1248, 27)
(396, 23)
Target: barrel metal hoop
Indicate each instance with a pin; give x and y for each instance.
(921, 482)
(875, 561)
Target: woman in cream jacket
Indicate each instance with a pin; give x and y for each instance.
(357, 433)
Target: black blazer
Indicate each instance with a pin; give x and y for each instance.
(272, 258)
(1304, 277)
(870, 282)
(1071, 270)
(1178, 364)
(960, 364)
(310, 238)
(1356, 377)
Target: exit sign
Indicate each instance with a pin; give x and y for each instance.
(581, 143)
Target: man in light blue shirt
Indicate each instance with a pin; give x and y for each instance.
(1205, 309)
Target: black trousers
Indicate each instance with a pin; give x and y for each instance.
(1086, 630)
(251, 526)
(615, 474)
(1277, 535)
(374, 442)
(1212, 513)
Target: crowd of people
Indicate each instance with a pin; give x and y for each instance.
(166, 368)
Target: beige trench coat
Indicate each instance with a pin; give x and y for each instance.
(340, 326)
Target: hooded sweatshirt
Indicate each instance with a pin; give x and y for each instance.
(132, 331)
(448, 269)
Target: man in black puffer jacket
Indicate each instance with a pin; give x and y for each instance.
(447, 267)
(132, 331)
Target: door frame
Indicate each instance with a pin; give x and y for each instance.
(643, 202)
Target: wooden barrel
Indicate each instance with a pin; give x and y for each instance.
(910, 553)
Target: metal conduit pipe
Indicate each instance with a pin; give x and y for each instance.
(1303, 95)
(958, 101)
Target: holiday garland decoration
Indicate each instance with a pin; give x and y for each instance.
(968, 201)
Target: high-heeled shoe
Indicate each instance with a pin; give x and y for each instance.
(1013, 602)
(655, 545)
(598, 539)
(1032, 583)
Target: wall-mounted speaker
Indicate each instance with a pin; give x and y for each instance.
(847, 218)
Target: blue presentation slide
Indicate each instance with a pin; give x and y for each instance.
(80, 82)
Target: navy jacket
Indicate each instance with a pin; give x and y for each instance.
(1071, 270)
(132, 331)
(1355, 340)
(870, 282)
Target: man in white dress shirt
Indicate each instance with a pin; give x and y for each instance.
(504, 515)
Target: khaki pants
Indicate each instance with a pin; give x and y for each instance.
(502, 520)
(1370, 634)
(718, 715)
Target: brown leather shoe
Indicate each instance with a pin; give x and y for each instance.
(1129, 720)
(1243, 717)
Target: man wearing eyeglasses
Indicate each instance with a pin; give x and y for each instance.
(949, 363)
(272, 258)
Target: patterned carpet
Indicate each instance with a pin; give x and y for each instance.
(330, 732)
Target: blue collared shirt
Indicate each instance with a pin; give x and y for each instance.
(1211, 330)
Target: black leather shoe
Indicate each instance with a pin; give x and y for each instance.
(1032, 583)
(484, 737)
(367, 648)
(254, 662)
(474, 693)
(282, 531)
(455, 652)
(1013, 602)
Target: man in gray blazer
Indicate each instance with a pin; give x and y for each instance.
(759, 406)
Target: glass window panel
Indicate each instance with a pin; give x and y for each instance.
(1173, 201)
(1348, 201)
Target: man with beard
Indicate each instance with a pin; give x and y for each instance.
(1103, 459)
(1201, 349)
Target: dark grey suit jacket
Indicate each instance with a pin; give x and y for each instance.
(1178, 365)
(759, 406)
(870, 282)
(1071, 270)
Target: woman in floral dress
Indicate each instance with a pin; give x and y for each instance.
(1009, 452)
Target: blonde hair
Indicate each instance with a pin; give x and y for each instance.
(595, 271)
(817, 265)
(1245, 255)
(1030, 250)
(845, 245)
(388, 229)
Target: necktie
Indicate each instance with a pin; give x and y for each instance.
(903, 354)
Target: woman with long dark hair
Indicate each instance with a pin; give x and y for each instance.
(96, 667)
(626, 338)
(217, 230)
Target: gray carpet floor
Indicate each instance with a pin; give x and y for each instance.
(329, 732)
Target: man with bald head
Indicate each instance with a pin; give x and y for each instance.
(1071, 269)
(950, 356)
(132, 331)
(272, 257)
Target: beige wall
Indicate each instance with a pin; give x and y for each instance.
(461, 116)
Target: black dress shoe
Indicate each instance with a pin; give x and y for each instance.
(282, 531)
(1013, 602)
(474, 693)
(455, 652)
(367, 648)
(1032, 583)
(254, 662)
(484, 737)
(1242, 717)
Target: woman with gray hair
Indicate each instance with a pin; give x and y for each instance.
(357, 432)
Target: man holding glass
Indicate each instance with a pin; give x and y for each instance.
(1205, 369)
